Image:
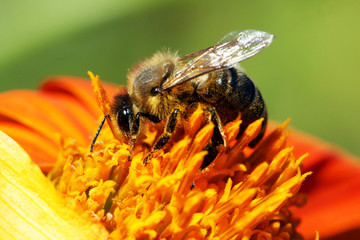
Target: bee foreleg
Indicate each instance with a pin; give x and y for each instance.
(136, 124)
(169, 130)
(135, 128)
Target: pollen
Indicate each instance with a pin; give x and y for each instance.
(242, 194)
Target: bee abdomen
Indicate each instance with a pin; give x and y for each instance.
(242, 90)
(245, 98)
(256, 110)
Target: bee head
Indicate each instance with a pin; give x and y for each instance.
(145, 82)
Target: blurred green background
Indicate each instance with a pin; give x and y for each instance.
(310, 73)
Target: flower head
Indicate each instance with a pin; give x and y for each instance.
(242, 194)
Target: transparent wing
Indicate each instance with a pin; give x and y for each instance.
(235, 47)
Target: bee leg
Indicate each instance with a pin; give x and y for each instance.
(218, 139)
(169, 130)
(215, 118)
(212, 153)
(135, 128)
(131, 147)
(136, 124)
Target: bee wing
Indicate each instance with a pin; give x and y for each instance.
(235, 47)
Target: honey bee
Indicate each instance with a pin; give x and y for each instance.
(165, 86)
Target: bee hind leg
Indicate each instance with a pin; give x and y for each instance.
(218, 140)
(169, 130)
(215, 118)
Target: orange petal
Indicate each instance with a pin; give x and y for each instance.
(81, 90)
(100, 94)
(65, 106)
(30, 207)
(49, 116)
(333, 206)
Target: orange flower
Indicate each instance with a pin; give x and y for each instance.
(241, 194)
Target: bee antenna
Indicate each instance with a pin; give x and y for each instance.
(98, 132)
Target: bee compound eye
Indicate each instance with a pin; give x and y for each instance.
(124, 118)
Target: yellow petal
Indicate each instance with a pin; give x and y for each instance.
(30, 207)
